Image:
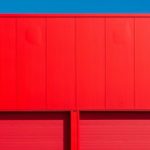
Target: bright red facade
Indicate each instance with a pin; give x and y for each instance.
(75, 63)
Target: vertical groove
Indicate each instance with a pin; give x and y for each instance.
(134, 61)
(75, 61)
(46, 104)
(105, 56)
(17, 103)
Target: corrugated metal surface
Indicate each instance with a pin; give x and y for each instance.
(115, 131)
(34, 131)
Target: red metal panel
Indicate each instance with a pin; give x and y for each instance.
(8, 63)
(119, 63)
(90, 47)
(34, 131)
(60, 63)
(115, 131)
(31, 48)
(142, 63)
(74, 130)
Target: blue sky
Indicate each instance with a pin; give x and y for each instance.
(75, 6)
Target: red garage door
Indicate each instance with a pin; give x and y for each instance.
(34, 131)
(115, 131)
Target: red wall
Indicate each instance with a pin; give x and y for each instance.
(67, 62)
(75, 63)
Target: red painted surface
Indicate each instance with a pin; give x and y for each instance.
(60, 63)
(111, 131)
(119, 63)
(34, 131)
(8, 63)
(75, 130)
(73, 63)
(90, 56)
(64, 62)
(31, 43)
(142, 63)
